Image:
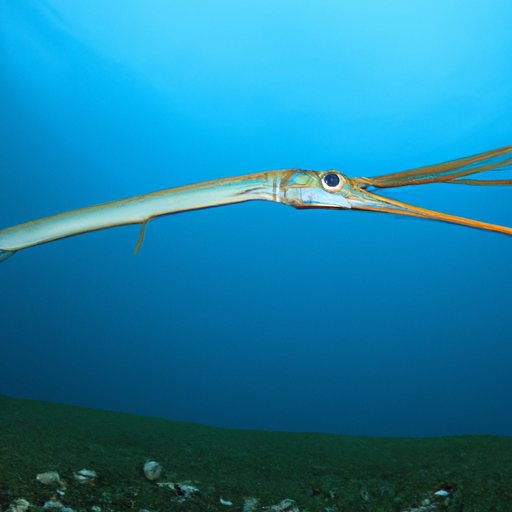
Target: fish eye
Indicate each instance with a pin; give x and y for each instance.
(332, 182)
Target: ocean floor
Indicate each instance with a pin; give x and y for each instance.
(248, 470)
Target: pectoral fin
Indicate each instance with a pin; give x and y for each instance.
(141, 236)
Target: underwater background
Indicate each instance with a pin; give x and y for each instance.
(258, 316)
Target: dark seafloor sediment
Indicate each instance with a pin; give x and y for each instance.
(319, 472)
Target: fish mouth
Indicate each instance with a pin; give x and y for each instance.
(363, 199)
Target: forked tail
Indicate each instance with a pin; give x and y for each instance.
(5, 254)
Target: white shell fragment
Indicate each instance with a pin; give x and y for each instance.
(19, 505)
(85, 476)
(224, 502)
(88, 473)
(441, 492)
(49, 478)
(182, 490)
(152, 470)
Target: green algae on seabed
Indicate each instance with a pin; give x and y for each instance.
(318, 471)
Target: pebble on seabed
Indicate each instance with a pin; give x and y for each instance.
(19, 505)
(48, 478)
(152, 470)
(250, 504)
(56, 505)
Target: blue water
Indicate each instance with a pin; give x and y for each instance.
(258, 315)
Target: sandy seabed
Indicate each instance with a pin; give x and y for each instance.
(252, 470)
